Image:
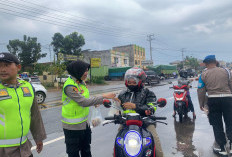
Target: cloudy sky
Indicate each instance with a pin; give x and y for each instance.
(199, 27)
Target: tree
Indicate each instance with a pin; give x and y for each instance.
(191, 62)
(28, 51)
(40, 68)
(70, 44)
(58, 69)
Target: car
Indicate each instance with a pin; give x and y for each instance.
(62, 79)
(40, 90)
(191, 72)
(152, 78)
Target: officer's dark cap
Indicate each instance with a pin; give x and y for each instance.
(8, 57)
(209, 58)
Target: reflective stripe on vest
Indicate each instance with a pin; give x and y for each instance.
(13, 141)
(129, 111)
(66, 101)
(2, 117)
(77, 120)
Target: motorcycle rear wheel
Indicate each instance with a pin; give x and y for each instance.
(180, 117)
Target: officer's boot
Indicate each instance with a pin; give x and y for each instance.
(220, 151)
(194, 115)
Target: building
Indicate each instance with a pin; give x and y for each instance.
(109, 58)
(175, 62)
(222, 63)
(136, 53)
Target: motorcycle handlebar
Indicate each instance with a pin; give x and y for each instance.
(109, 118)
(158, 118)
(161, 118)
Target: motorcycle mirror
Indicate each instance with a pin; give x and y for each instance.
(161, 102)
(107, 103)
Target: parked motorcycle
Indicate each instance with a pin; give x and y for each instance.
(133, 140)
(181, 100)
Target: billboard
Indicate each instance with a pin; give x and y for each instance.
(95, 62)
(66, 57)
(147, 62)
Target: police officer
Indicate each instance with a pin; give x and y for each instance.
(75, 110)
(217, 83)
(19, 112)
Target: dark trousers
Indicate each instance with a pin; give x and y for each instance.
(190, 104)
(218, 108)
(78, 142)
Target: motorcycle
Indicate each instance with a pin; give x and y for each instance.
(181, 100)
(133, 140)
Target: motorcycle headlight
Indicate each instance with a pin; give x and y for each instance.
(132, 143)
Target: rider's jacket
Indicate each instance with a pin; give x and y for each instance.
(143, 98)
(183, 81)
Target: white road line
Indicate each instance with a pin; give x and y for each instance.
(49, 142)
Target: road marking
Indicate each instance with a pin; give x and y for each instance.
(51, 102)
(49, 142)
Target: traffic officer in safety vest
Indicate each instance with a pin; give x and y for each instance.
(19, 112)
(75, 110)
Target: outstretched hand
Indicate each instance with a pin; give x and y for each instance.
(109, 95)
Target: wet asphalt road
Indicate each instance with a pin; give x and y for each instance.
(189, 139)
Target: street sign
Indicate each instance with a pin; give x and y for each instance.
(147, 62)
(95, 62)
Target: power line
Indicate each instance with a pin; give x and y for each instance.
(78, 17)
(55, 18)
(23, 15)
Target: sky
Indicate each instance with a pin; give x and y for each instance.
(196, 27)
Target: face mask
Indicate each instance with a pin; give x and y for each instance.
(133, 88)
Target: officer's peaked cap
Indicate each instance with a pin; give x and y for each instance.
(8, 57)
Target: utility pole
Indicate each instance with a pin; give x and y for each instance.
(51, 62)
(182, 50)
(150, 38)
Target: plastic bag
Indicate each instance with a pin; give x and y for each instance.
(115, 108)
(96, 117)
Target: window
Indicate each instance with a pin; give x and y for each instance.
(135, 62)
(115, 60)
(125, 61)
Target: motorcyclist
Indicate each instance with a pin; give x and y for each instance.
(137, 99)
(183, 80)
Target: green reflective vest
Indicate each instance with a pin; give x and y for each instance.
(133, 111)
(72, 112)
(15, 113)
